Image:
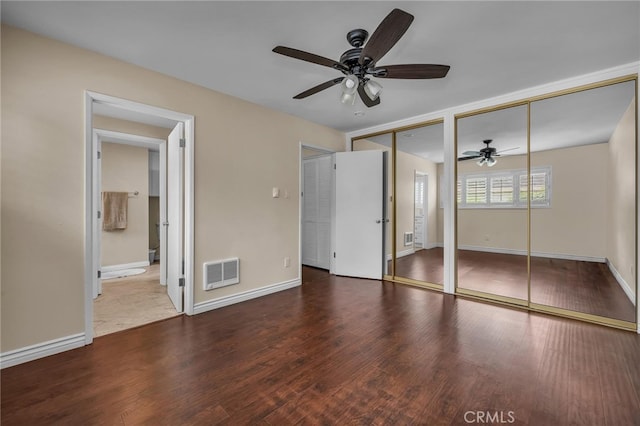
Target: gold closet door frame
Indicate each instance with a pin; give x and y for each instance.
(393, 168)
(528, 305)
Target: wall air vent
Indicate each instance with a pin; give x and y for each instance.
(408, 238)
(221, 273)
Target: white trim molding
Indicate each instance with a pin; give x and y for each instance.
(122, 266)
(41, 350)
(232, 299)
(623, 284)
(402, 253)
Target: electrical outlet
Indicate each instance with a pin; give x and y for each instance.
(287, 262)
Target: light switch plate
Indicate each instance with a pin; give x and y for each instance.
(276, 192)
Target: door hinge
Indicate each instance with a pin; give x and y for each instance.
(99, 155)
(302, 194)
(334, 254)
(99, 214)
(180, 282)
(99, 273)
(182, 266)
(183, 142)
(334, 167)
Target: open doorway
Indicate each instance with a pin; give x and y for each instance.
(160, 271)
(132, 249)
(316, 193)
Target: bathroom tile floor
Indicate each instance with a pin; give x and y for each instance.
(131, 301)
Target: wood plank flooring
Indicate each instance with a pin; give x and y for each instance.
(338, 351)
(587, 287)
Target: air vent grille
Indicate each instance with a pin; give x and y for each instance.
(221, 273)
(408, 238)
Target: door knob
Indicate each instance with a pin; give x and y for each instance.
(378, 221)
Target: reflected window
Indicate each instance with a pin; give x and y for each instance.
(504, 189)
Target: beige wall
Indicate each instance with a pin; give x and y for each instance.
(242, 150)
(621, 198)
(407, 165)
(126, 169)
(493, 228)
(575, 222)
(124, 126)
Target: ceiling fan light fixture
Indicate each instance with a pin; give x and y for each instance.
(491, 162)
(348, 98)
(481, 161)
(372, 89)
(350, 84)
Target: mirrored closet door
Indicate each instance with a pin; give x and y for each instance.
(491, 215)
(583, 202)
(419, 159)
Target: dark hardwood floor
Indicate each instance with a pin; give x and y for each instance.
(338, 351)
(587, 287)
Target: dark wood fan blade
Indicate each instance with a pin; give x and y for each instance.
(390, 30)
(505, 150)
(414, 71)
(319, 88)
(473, 157)
(366, 99)
(309, 57)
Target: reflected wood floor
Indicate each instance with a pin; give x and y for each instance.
(338, 351)
(579, 286)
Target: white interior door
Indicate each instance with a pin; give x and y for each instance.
(175, 212)
(316, 211)
(359, 199)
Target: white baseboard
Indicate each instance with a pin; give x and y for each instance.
(402, 253)
(432, 245)
(122, 266)
(221, 302)
(41, 350)
(518, 252)
(623, 284)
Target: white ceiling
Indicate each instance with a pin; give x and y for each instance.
(575, 119)
(492, 47)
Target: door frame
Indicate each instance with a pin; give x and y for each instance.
(417, 174)
(100, 136)
(323, 151)
(90, 266)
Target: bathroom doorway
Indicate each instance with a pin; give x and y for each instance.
(139, 265)
(132, 254)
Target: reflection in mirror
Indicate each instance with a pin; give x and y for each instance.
(583, 199)
(491, 210)
(419, 218)
(382, 143)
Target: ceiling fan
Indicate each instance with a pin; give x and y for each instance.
(486, 155)
(359, 64)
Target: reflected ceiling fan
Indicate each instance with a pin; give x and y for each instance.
(359, 64)
(486, 155)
